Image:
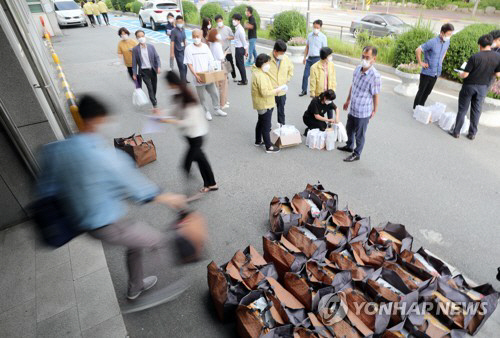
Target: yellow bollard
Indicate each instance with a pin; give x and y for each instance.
(76, 116)
(69, 95)
(55, 58)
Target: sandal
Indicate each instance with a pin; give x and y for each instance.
(208, 189)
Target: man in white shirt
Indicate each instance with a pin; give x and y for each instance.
(198, 58)
(241, 48)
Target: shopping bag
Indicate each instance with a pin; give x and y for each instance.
(285, 256)
(341, 132)
(311, 135)
(331, 138)
(190, 235)
(392, 234)
(447, 121)
(422, 114)
(250, 268)
(282, 215)
(139, 98)
(437, 109)
(143, 152)
(312, 246)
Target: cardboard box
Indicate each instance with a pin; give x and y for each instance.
(211, 77)
(283, 141)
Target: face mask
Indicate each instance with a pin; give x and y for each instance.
(316, 31)
(220, 24)
(180, 25)
(209, 26)
(279, 57)
(235, 23)
(365, 63)
(197, 41)
(124, 37)
(494, 45)
(328, 102)
(171, 20)
(266, 67)
(446, 38)
(218, 37)
(142, 40)
(330, 58)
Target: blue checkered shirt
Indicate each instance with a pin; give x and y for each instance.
(434, 51)
(364, 86)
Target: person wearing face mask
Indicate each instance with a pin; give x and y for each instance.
(170, 24)
(495, 46)
(363, 103)
(198, 58)
(206, 26)
(146, 65)
(178, 46)
(315, 41)
(314, 116)
(215, 41)
(240, 48)
(263, 95)
(435, 51)
(481, 67)
(226, 36)
(281, 73)
(323, 75)
(125, 47)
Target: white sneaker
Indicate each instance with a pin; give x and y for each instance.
(208, 116)
(225, 106)
(220, 112)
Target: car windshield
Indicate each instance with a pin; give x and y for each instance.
(393, 20)
(65, 5)
(167, 5)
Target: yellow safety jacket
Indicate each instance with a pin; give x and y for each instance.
(280, 75)
(317, 78)
(102, 7)
(262, 90)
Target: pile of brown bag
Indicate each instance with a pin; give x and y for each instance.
(326, 272)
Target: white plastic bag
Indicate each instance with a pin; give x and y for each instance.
(447, 121)
(341, 132)
(311, 135)
(331, 138)
(422, 114)
(315, 139)
(437, 109)
(139, 98)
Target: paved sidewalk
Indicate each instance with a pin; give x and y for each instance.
(66, 292)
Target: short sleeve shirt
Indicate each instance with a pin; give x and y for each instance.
(252, 33)
(225, 32)
(199, 57)
(125, 49)
(315, 43)
(178, 36)
(434, 51)
(364, 86)
(317, 107)
(481, 67)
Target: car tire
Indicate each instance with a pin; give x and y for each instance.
(355, 33)
(85, 24)
(143, 25)
(154, 26)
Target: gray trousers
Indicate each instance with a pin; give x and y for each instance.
(214, 95)
(135, 236)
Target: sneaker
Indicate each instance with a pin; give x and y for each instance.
(248, 64)
(219, 112)
(225, 106)
(149, 282)
(258, 144)
(208, 116)
(272, 150)
(351, 158)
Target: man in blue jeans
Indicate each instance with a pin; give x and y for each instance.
(315, 41)
(251, 25)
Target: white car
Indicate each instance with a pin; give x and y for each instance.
(69, 13)
(155, 13)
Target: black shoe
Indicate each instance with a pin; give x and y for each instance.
(272, 150)
(241, 83)
(306, 131)
(452, 133)
(471, 136)
(351, 158)
(258, 144)
(498, 275)
(345, 148)
(303, 93)
(235, 80)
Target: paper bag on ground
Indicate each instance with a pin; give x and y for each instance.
(282, 215)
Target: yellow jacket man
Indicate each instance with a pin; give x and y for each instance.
(263, 95)
(104, 11)
(89, 11)
(323, 74)
(281, 73)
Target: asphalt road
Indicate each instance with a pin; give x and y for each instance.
(446, 191)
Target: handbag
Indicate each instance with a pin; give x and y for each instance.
(143, 152)
(226, 65)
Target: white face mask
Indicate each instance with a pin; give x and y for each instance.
(446, 38)
(142, 40)
(328, 102)
(330, 58)
(196, 41)
(218, 37)
(235, 23)
(209, 26)
(494, 45)
(180, 25)
(171, 20)
(279, 57)
(266, 67)
(124, 37)
(220, 24)
(365, 63)
(316, 31)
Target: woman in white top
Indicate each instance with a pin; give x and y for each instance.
(194, 126)
(215, 42)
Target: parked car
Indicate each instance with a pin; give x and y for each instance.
(69, 13)
(155, 13)
(379, 25)
(227, 5)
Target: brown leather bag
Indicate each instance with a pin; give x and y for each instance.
(143, 152)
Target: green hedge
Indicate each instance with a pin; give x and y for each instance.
(123, 4)
(210, 10)
(462, 46)
(109, 4)
(136, 7)
(241, 9)
(407, 42)
(190, 12)
(288, 24)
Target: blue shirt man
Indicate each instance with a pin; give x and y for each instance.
(315, 41)
(434, 52)
(177, 46)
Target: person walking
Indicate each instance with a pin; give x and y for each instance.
(146, 65)
(314, 116)
(215, 41)
(263, 101)
(434, 51)
(280, 73)
(240, 48)
(125, 47)
(363, 102)
(92, 180)
(97, 13)
(315, 41)
(194, 126)
(104, 11)
(177, 47)
(170, 24)
(251, 26)
(206, 26)
(481, 67)
(226, 36)
(198, 58)
(89, 11)
(323, 75)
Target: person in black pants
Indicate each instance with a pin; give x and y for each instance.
(146, 64)
(477, 76)
(177, 47)
(193, 124)
(241, 48)
(314, 116)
